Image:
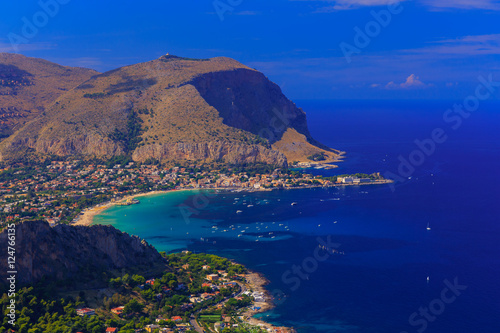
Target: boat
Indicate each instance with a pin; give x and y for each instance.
(294, 204)
(428, 226)
(239, 211)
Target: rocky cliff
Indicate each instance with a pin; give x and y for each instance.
(211, 151)
(63, 251)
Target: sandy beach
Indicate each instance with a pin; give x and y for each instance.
(87, 217)
(88, 214)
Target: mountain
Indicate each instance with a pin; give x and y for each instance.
(29, 85)
(64, 251)
(172, 108)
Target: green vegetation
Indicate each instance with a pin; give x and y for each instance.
(131, 138)
(52, 306)
(317, 157)
(168, 57)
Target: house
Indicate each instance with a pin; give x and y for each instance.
(85, 312)
(151, 327)
(213, 277)
(118, 310)
(111, 330)
(176, 318)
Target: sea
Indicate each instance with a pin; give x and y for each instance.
(420, 255)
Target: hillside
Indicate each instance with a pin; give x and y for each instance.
(170, 108)
(64, 251)
(29, 85)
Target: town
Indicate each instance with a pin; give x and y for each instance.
(189, 293)
(58, 191)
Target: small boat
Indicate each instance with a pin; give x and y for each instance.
(294, 204)
(239, 211)
(428, 226)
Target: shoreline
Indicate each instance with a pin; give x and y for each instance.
(88, 215)
(87, 218)
(256, 282)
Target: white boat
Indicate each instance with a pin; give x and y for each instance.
(294, 204)
(428, 226)
(239, 211)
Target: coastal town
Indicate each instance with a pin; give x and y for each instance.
(198, 293)
(59, 191)
(188, 293)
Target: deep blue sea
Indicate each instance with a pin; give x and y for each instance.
(394, 275)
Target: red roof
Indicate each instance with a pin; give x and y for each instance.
(112, 329)
(175, 318)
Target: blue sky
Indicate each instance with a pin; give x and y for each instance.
(430, 49)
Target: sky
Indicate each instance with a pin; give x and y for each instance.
(313, 49)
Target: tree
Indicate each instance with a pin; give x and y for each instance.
(132, 307)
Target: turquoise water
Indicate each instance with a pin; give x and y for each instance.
(392, 265)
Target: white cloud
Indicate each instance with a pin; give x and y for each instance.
(248, 13)
(337, 5)
(463, 4)
(7, 47)
(464, 46)
(412, 82)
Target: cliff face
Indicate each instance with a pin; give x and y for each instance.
(171, 108)
(211, 151)
(62, 251)
(247, 100)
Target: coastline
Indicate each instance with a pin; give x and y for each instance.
(257, 282)
(87, 218)
(88, 215)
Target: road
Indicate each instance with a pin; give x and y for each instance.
(194, 323)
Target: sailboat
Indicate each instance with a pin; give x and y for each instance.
(428, 226)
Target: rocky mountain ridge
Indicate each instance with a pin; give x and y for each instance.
(64, 251)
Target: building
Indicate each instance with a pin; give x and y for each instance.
(85, 312)
(111, 330)
(346, 180)
(213, 277)
(118, 310)
(150, 328)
